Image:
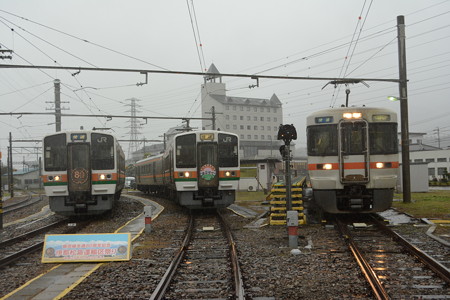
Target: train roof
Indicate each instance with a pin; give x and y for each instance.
(148, 159)
(79, 131)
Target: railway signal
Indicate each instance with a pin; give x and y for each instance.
(287, 133)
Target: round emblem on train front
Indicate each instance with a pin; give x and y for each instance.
(207, 172)
(79, 175)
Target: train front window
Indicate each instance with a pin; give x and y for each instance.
(228, 150)
(322, 140)
(102, 151)
(353, 137)
(185, 151)
(55, 152)
(383, 138)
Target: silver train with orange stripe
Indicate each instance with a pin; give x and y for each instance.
(198, 169)
(353, 158)
(83, 172)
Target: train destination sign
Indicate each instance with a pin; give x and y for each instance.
(61, 248)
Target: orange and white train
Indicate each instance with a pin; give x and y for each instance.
(198, 170)
(353, 158)
(83, 172)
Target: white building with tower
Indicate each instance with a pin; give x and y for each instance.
(255, 120)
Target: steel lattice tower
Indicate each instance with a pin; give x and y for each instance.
(134, 127)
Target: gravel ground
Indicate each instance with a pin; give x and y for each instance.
(323, 270)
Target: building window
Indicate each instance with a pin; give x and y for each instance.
(268, 119)
(256, 137)
(228, 126)
(418, 160)
(249, 137)
(261, 127)
(442, 171)
(227, 117)
(249, 127)
(255, 109)
(242, 127)
(234, 117)
(241, 108)
(255, 127)
(255, 118)
(262, 136)
(444, 159)
(235, 126)
(242, 136)
(269, 128)
(261, 118)
(428, 160)
(431, 172)
(241, 118)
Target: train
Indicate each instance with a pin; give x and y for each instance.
(198, 170)
(83, 172)
(352, 158)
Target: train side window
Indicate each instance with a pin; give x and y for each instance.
(185, 151)
(102, 151)
(322, 140)
(55, 152)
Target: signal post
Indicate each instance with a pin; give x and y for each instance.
(287, 133)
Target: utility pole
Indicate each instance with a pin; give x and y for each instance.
(1, 193)
(406, 174)
(57, 103)
(57, 84)
(10, 168)
(213, 119)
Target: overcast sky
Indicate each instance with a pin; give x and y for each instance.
(318, 38)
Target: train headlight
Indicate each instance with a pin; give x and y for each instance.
(324, 167)
(355, 115)
(379, 165)
(187, 174)
(327, 166)
(227, 173)
(57, 178)
(105, 176)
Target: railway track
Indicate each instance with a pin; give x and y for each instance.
(17, 247)
(394, 268)
(28, 201)
(206, 264)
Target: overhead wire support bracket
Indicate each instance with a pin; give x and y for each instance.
(345, 81)
(146, 79)
(254, 85)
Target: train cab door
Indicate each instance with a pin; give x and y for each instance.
(208, 168)
(79, 167)
(353, 151)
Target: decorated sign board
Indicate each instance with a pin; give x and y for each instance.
(61, 248)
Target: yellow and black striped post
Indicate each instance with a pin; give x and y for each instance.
(277, 199)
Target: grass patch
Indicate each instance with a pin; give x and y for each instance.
(433, 205)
